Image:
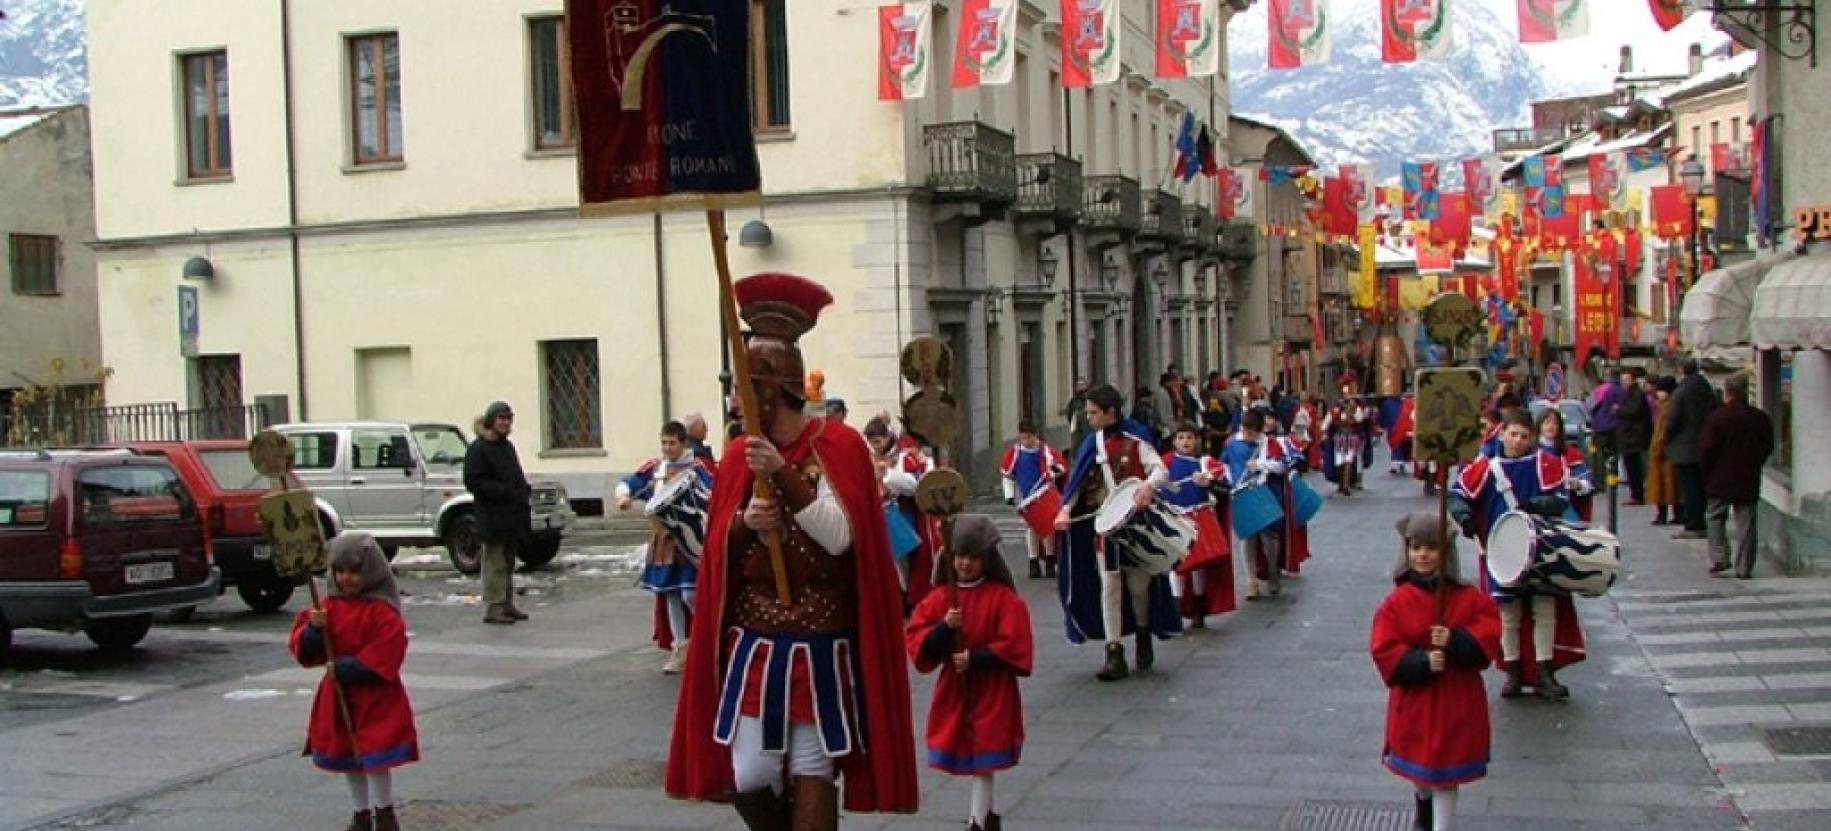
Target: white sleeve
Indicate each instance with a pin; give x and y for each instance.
(622, 490)
(1154, 470)
(825, 520)
(900, 482)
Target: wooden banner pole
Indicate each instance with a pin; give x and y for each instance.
(747, 395)
(330, 650)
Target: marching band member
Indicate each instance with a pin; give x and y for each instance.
(787, 696)
(1399, 438)
(1581, 484)
(1343, 427)
(1203, 583)
(900, 469)
(1096, 583)
(1528, 478)
(1032, 469)
(1255, 458)
(668, 571)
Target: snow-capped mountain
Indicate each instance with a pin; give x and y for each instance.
(42, 61)
(1356, 108)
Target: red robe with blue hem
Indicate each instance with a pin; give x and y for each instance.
(976, 720)
(373, 633)
(882, 778)
(1436, 729)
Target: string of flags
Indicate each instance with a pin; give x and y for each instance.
(1298, 32)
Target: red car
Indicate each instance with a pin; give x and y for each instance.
(228, 490)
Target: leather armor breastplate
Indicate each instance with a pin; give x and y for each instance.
(824, 588)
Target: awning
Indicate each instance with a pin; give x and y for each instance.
(1715, 311)
(1792, 307)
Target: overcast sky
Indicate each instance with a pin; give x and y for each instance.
(1591, 61)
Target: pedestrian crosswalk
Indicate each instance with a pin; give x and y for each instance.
(1749, 669)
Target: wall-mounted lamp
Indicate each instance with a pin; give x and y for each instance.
(1046, 262)
(1160, 276)
(1109, 274)
(198, 268)
(994, 305)
(756, 234)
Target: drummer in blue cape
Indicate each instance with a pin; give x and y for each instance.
(1118, 582)
(676, 485)
(1523, 485)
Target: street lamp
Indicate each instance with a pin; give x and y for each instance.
(1691, 174)
(1109, 274)
(1046, 262)
(994, 305)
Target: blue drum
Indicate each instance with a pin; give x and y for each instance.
(903, 537)
(1255, 509)
(1306, 503)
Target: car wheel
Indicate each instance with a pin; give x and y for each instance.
(6, 639)
(390, 551)
(265, 598)
(463, 544)
(540, 550)
(115, 634)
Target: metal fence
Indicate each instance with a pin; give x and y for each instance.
(52, 425)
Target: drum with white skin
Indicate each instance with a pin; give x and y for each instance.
(1551, 553)
(1152, 538)
(680, 505)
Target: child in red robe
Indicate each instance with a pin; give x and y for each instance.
(1432, 637)
(360, 625)
(976, 629)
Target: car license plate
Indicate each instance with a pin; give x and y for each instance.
(150, 573)
(263, 551)
(556, 521)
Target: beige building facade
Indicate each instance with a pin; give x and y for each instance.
(386, 194)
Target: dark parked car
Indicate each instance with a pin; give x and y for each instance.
(96, 542)
(228, 491)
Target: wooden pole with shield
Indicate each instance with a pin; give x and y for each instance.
(289, 516)
(1448, 403)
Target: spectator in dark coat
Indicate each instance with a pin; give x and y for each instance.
(1076, 411)
(1685, 414)
(1634, 433)
(492, 474)
(1732, 447)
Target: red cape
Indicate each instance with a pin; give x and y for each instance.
(884, 777)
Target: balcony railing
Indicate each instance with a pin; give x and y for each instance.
(1163, 217)
(1203, 225)
(1111, 204)
(971, 161)
(1297, 329)
(1515, 139)
(1050, 186)
(1239, 242)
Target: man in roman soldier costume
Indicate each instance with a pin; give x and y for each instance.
(802, 693)
(1103, 595)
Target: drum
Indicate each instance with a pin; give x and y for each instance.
(1040, 511)
(1255, 509)
(679, 506)
(1306, 503)
(1152, 539)
(903, 537)
(1532, 551)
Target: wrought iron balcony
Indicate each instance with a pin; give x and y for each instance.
(1049, 186)
(1112, 204)
(970, 161)
(1202, 225)
(1239, 242)
(1297, 329)
(1163, 218)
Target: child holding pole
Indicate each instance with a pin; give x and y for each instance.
(1432, 637)
(976, 629)
(361, 721)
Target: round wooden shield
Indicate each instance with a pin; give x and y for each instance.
(942, 492)
(1451, 318)
(927, 362)
(271, 454)
(933, 416)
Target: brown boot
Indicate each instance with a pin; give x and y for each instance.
(814, 805)
(1147, 656)
(1114, 669)
(385, 819)
(361, 821)
(761, 810)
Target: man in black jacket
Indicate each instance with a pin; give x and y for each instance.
(1685, 414)
(1634, 432)
(492, 474)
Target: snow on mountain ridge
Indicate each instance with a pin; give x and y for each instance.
(42, 57)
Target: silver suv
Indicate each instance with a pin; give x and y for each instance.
(404, 483)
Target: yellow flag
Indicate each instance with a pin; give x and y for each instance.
(1366, 283)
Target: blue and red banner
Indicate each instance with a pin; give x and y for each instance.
(663, 93)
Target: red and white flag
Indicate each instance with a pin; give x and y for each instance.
(1189, 38)
(1545, 21)
(1359, 192)
(1413, 29)
(1300, 33)
(1233, 194)
(903, 50)
(1090, 42)
(1669, 13)
(985, 49)
(1608, 181)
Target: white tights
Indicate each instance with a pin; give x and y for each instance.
(1112, 603)
(753, 769)
(1544, 623)
(1198, 583)
(371, 790)
(982, 798)
(679, 604)
(1442, 806)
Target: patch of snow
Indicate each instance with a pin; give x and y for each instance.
(258, 694)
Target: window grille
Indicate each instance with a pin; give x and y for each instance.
(573, 414)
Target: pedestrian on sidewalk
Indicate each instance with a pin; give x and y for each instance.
(1523, 477)
(1735, 442)
(1578, 481)
(975, 628)
(1031, 473)
(1662, 478)
(696, 437)
(1690, 404)
(361, 619)
(1634, 432)
(670, 568)
(492, 474)
(1432, 637)
(1076, 410)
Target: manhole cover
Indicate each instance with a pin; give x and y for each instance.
(1799, 741)
(454, 815)
(1345, 816)
(632, 773)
